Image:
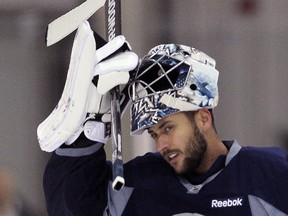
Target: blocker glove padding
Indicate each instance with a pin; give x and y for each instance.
(84, 106)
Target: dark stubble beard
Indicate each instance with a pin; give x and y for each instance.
(195, 150)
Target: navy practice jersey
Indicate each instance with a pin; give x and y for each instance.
(247, 181)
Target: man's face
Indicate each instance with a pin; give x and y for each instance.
(180, 142)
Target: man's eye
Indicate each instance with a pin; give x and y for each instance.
(168, 129)
(153, 136)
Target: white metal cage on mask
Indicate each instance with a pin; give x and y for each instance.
(171, 78)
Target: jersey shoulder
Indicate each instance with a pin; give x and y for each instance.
(268, 158)
(272, 153)
(147, 169)
(150, 160)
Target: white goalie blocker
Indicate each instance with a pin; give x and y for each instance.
(80, 96)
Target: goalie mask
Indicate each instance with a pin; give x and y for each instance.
(171, 78)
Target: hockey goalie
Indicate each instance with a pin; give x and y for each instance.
(173, 91)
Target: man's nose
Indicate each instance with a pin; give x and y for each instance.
(162, 143)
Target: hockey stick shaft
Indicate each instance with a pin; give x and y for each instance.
(117, 159)
(113, 25)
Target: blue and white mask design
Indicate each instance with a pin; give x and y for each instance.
(171, 78)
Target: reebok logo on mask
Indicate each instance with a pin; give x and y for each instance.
(226, 203)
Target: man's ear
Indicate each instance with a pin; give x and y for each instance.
(204, 119)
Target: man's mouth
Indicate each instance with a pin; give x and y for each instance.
(170, 156)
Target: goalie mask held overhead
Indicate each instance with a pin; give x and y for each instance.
(171, 78)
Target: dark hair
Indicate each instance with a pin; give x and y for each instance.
(191, 116)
